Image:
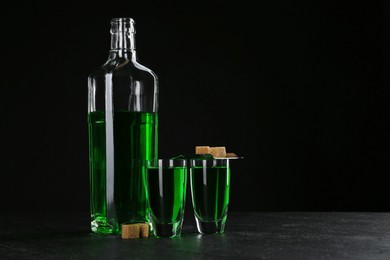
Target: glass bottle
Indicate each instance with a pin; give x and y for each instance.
(122, 125)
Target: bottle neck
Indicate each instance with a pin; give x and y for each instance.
(123, 38)
(123, 46)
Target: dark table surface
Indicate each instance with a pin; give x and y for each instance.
(288, 235)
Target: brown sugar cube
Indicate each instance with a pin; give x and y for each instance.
(144, 230)
(130, 231)
(218, 151)
(202, 150)
(231, 155)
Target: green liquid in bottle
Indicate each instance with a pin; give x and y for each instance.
(166, 194)
(210, 192)
(135, 141)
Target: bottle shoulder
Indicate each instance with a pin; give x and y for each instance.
(123, 67)
(144, 68)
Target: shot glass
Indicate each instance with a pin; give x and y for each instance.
(210, 184)
(166, 185)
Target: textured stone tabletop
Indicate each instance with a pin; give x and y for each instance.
(278, 235)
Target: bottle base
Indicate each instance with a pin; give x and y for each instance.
(102, 227)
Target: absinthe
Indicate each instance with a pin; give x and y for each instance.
(118, 193)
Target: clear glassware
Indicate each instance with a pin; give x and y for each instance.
(166, 184)
(123, 133)
(210, 185)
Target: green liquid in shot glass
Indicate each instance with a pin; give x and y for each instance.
(210, 192)
(166, 194)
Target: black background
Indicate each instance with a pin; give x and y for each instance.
(300, 89)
